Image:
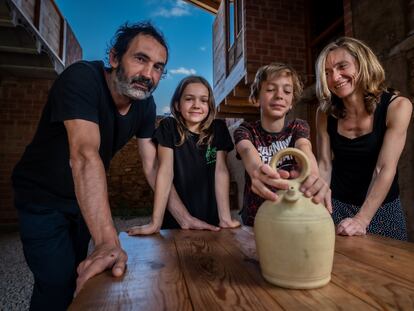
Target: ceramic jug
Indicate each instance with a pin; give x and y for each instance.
(295, 238)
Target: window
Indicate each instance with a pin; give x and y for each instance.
(233, 21)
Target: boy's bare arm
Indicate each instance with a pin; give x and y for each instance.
(262, 175)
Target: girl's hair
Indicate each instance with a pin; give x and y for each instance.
(206, 133)
(275, 70)
(370, 76)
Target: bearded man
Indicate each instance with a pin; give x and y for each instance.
(60, 183)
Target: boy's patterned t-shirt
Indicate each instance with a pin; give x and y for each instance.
(267, 144)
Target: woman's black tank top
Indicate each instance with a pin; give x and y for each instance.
(354, 159)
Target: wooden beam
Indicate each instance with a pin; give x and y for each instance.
(237, 110)
(237, 101)
(210, 6)
(18, 39)
(29, 63)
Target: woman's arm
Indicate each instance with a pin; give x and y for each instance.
(314, 186)
(222, 185)
(163, 184)
(323, 146)
(398, 119)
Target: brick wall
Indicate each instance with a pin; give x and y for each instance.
(274, 31)
(127, 186)
(22, 101)
(387, 27)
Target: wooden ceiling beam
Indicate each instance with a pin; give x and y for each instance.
(237, 110)
(237, 101)
(210, 6)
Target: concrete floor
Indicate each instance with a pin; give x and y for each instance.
(16, 280)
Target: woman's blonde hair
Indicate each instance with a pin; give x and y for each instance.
(370, 76)
(275, 70)
(206, 133)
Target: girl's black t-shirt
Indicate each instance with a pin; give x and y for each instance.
(194, 169)
(43, 174)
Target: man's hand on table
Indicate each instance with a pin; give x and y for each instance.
(105, 256)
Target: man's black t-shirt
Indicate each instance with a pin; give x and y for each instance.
(194, 169)
(43, 174)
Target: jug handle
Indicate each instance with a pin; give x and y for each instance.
(300, 156)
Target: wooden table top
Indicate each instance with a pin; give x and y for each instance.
(203, 270)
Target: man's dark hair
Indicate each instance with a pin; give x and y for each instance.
(127, 32)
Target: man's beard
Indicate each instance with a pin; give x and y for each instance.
(125, 85)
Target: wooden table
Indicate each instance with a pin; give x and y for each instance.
(202, 270)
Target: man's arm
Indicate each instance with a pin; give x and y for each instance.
(91, 192)
(176, 207)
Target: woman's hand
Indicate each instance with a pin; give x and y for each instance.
(352, 226)
(317, 188)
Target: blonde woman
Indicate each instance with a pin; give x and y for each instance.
(361, 132)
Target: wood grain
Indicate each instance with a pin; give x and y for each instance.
(384, 254)
(152, 280)
(201, 270)
(222, 278)
(329, 297)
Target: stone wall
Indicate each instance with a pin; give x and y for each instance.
(388, 28)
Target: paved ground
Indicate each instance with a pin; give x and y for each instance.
(16, 280)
